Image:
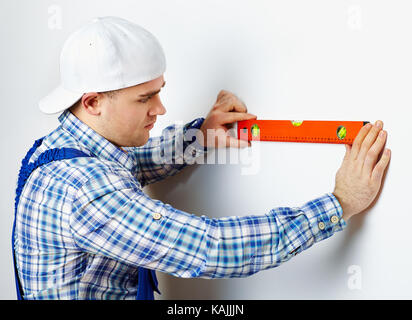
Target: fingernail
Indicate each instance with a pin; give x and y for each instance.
(382, 133)
(378, 124)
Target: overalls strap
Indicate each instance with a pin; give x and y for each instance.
(147, 281)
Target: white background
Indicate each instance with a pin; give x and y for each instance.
(294, 59)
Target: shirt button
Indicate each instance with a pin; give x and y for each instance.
(157, 215)
(334, 219)
(321, 225)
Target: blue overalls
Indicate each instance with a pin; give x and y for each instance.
(147, 281)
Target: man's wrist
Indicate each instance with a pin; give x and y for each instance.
(194, 139)
(345, 215)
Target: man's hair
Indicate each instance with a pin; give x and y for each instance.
(111, 94)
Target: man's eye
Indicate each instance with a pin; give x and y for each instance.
(144, 100)
(147, 99)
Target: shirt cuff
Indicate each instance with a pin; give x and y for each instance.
(325, 216)
(192, 148)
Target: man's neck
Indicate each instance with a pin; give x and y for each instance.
(78, 115)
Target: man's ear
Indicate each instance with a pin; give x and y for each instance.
(91, 102)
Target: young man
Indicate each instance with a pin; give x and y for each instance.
(84, 227)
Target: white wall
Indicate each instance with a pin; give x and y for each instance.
(295, 59)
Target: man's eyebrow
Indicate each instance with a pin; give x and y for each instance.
(153, 92)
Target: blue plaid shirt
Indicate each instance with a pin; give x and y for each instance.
(84, 225)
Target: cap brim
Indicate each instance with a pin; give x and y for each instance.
(58, 100)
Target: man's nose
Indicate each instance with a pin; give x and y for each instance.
(158, 109)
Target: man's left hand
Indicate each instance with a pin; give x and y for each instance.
(228, 109)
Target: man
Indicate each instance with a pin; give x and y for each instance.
(84, 227)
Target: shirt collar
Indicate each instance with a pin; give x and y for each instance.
(93, 141)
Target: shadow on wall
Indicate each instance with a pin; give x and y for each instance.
(170, 191)
(182, 288)
(172, 287)
(355, 226)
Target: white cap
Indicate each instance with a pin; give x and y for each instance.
(108, 53)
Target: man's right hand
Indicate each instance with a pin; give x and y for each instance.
(359, 178)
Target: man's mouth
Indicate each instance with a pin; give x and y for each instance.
(150, 126)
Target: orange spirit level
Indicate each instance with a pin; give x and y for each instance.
(299, 131)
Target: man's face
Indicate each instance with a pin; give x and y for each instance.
(126, 116)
